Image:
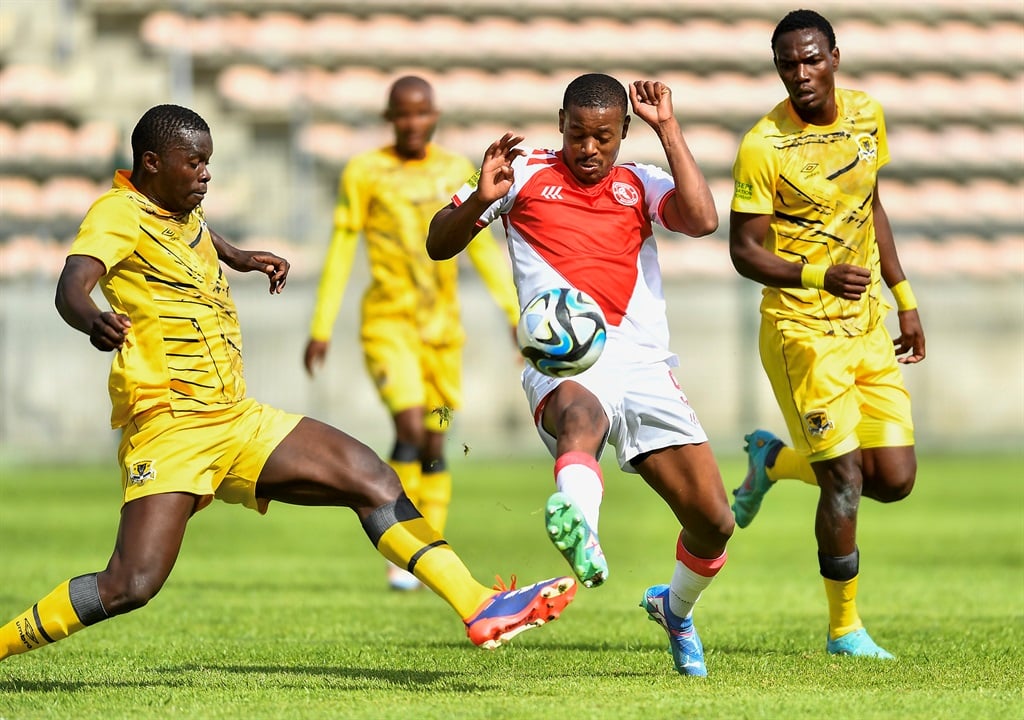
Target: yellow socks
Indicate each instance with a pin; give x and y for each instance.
(404, 537)
(71, 606)
(789, 464)
(435, 497)
(842, 607)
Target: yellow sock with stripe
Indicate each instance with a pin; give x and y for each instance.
(791, 465)
(435, 495)
(402, 535)
(840, 576)
(71, 606)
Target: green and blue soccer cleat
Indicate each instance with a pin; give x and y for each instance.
(762, 447)
(573, 537)
(683, 641)
(857, 644)
(513, 610)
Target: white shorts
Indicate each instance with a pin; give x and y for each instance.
(646, 408)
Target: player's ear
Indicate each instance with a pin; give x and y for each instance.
(625, 125)
(561, 120)
(835, 59)
(150, 161)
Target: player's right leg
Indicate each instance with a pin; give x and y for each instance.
(574, 425)
(316, 464)
(148, 541)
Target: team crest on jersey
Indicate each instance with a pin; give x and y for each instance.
(818, 423)
(625, 194)
(141, 472)
(867, 147)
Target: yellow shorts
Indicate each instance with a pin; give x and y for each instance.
(210, 454)
(836, 393)
(410, 373)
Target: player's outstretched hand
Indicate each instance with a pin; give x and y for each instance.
(911, 339)
(847, 281)
(496, 174)
(652, 101)
(271, 265)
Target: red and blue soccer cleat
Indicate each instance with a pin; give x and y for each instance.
(514, 610)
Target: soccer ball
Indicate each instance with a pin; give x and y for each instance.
(561, 332)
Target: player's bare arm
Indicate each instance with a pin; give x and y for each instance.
(106, 329)
(910, 344)
(271, 265)
(453, 227)
(692, 211)
(747, 232)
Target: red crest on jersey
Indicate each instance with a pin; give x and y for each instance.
(625, 194)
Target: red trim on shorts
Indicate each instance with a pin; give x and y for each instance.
(702, 566)
(578, 457)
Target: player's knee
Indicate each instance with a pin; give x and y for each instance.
(373, 483)
(125, 591)
(896, 488)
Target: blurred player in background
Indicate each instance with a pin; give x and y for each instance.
(411, 331)
(575, 217)
(807, 222)
(189, 433)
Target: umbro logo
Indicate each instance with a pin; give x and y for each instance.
(552, 192)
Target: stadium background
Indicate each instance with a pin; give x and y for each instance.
(292, 89)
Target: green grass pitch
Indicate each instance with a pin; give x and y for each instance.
(286, 616)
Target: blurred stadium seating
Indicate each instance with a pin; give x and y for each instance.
(293, 89)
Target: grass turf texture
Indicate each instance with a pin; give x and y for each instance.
(286, 616)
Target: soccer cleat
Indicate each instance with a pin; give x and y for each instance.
(683, 641)
(857, 644)
(572, 536)
(748, 496)
(514, 610)
(401, 579)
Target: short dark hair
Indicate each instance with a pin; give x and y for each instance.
(161, 126)
(805, 20)
(595, 90)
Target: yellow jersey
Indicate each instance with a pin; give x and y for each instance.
(391, 200)
(184, 348)
(817, 183)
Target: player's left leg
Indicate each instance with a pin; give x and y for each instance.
(688, 479)
(316, 464)
(148, 540)
(840, 480)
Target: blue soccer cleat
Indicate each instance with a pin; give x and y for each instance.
(513, 610)
(573, 537)
(762, 447)
(857, 644)
(683, 641)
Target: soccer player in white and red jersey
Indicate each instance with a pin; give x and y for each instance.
(573, 217)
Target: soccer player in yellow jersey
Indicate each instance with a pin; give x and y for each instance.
(808, 224)
(189, 432)
(411, 332)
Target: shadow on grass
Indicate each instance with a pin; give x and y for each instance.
(347, 678)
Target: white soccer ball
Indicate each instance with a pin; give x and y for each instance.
(561, 332)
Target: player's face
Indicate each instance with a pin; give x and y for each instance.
(179, 175)
(591, 138)
(414, 117)
(807, 68)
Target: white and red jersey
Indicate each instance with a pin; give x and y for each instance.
(596, 238)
